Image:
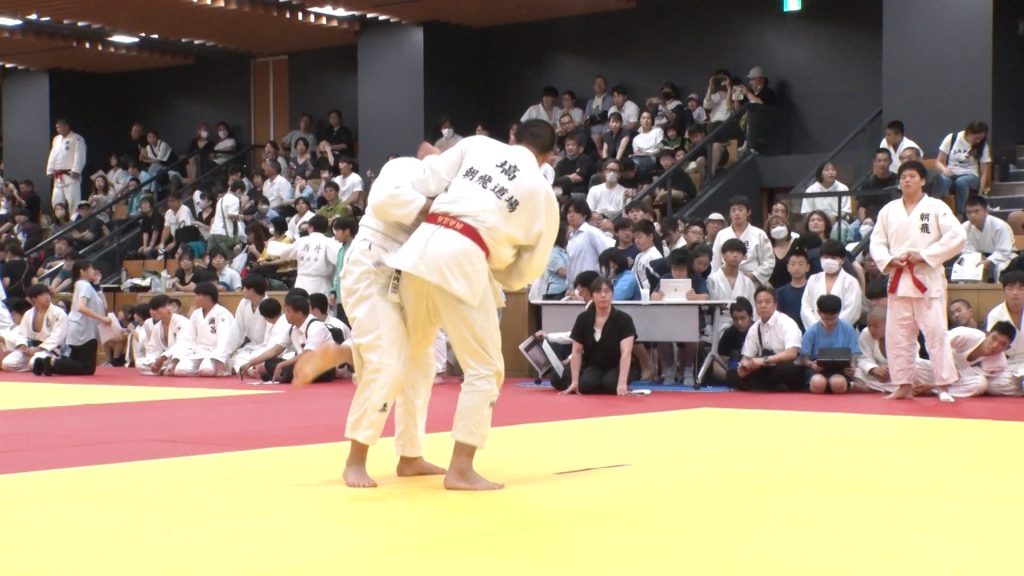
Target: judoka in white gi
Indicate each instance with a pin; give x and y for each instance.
(494, 228)
(249, 332)
(315, 254)
(1011, 310)
(873, 364)
(759, 259)
(913, 236)
(172, 336)
(832, 280)
(306, 335)
(276, 340)
(65, 165)
(39, 335)
(212, 325)
(981, 360)
(719, 285)
(988, 235)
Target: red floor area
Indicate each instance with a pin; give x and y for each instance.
(44, 438)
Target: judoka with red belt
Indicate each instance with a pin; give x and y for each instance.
(913, 236)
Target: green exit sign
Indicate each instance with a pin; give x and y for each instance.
(792, 5)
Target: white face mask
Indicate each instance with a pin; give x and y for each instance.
(223, 134)
(447, 132)
(830, 266)
(204, 134)
(866, 229)
(204, 204)
(779, 232)
(611, 177)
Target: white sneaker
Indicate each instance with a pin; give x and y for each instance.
(945, 397)
(688, 379)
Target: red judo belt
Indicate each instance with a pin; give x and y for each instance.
(453, 223)
(895, 282)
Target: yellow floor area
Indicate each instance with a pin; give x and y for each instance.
(21, 395)
(695, 492)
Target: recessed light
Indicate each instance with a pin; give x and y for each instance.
(122, 39)
(331, 11)
(9, 22)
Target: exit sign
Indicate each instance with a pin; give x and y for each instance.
(792, 5)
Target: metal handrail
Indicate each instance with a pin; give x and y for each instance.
(806, 180)
(109, 206)
(690, 156)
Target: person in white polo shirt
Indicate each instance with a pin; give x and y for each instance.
(770, 349)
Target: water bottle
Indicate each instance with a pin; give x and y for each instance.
(124, 275)
(165, 280)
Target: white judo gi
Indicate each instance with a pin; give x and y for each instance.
(248, 333)
(845, 286)
(872, 356)
(978, 376)
(212, 342)
(1014, 355)
(932, 230)
(315, 255)
(760, 259)
(175, 342)
(385, 368)
(719, 289)
(49, 338)
(452, 281)
(67, 155)
(995, 239)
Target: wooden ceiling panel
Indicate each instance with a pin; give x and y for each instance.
(481, 14)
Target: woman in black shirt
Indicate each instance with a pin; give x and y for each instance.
(602, 346)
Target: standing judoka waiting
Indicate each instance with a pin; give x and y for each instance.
(40, 334)
(913, 237)
(65, 165)
(494, 228)
(316, 255)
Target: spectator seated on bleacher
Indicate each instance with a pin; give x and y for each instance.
(646, 144)
(189, 274)
(573, 172)
(227, 278)
(965, 163)
(881, 177)
(829, 332)
(608, 198)
(770, 350)
(895, 142)
(825, 181)
(989, 236)
(759, 258)
(613, 266)
(790, 296)
(602, 346)
(832, 280)
(616, 139)
(152, 228)
(179, 227)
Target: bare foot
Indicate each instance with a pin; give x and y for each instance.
(356, 477)
(469, 480)
(316, 362)
(903, 392)
(417, 467)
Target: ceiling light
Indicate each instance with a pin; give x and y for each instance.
(331, 11)
(9, 22)
(122, 39)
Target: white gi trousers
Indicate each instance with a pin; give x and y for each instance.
(388, 373)
(1008, 384)
(923, 376)
(973, 382)
(205, 367)
(18, 361)
(144, 365)
(66, 189)
(475, 335)
(906, 316)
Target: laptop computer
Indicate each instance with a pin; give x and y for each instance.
(675, 289)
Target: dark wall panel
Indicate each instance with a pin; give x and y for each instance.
(458, 78)
(937, 78)
(391, 93)
(27, 128)
(1007, 74)
(322, 80)
(826, 60)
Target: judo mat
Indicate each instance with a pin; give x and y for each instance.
(677, 483)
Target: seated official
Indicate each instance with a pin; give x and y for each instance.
(770, 349)
(830, 331)
(602, 346)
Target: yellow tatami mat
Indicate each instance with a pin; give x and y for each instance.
(696, 492)
(20, 395)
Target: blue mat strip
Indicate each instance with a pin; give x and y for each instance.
(641, 385)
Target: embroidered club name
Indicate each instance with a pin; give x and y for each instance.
(488, 182)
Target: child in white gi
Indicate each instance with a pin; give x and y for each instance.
(40, 334)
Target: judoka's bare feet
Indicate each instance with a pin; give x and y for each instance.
(462, 476)
(316, 362)
(902, 393)
(355, 474)
(417, 467)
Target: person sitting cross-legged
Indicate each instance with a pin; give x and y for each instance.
(40, 334)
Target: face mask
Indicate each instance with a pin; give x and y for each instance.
(447, 132)
(223, 134)
(865, 229)
(830, 266)
(611, 177)
(779, 232)
(204, 134)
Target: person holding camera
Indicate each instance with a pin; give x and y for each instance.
(718, 100)
(770, 350)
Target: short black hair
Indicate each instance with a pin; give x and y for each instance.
(765, 289)
(679, 257)
(580, 206)
(255, 282)
(644, 227)
(217, 251)
(914, 165)
(297, 292)
(622, 223)
(142, 311)
(1011, 277)
(829, 304)
(670, 224)
(620, 89)
(877, 288)
(895, 126)
(734, 245)
(833, 248)
(270, 308)
(739, 201)
(585, 279)
(347, 223)
(537, 135)
(18, 305)
(977, 201)
(741, 305)
(549, 91)
(298, 303)
(318, 224)
(36, 290)
(159, 301)
(884, 151)
(208, 289)
(318, 301)
(703, 249)
(613, 256)
(1005, 328)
